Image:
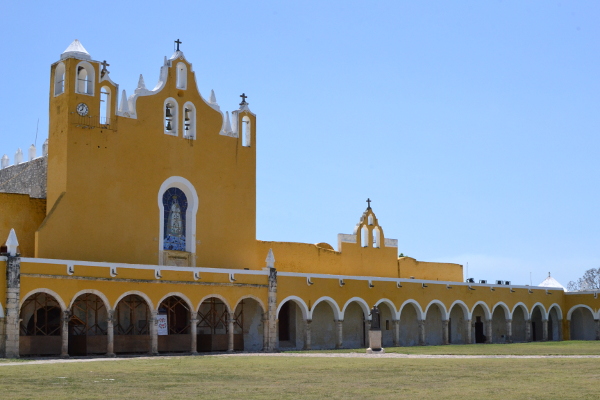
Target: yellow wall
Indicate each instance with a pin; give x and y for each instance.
(409, 267)
(111, 178)
(23, 214)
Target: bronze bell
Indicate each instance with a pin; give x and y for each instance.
(169, 115)
(168, 124)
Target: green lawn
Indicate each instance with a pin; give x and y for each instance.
(303, 378)
(573, 347)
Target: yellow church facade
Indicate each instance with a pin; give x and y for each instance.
(77, 280)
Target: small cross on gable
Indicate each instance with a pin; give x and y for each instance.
(104, 65)
(244, 97)
(369, 204)
(178, 42)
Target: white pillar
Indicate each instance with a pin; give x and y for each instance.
(396, 331)
(153, 333)
(66, 316)
(469, 333)
(421, 332)
(110, 334)
(307, 344)
(194, 331)
(13, 298)
(509, 331)
(545, 330)
(230, 325)
(528, 330)
(366, 332)
(445, 335)
(31, 152)
(272, 307)
(340, 338)
(488, 330)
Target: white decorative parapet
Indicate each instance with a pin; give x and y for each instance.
(18, 156)
(12, 243)
(345, 238)
(45, 148)
(270, 259)
(4, 162)
(32, 152)
(391, 242)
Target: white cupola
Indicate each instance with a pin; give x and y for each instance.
(76, 50)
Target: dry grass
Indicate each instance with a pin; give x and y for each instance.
(303, 378)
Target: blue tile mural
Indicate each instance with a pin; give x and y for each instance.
(175, 205)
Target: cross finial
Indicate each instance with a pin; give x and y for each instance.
(244, 97)
(369, 202)
(178, 42)
(104, 65)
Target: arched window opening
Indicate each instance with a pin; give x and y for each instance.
(181, 76)
(170, 122)
(85, 78)
(178, 315)
(189, 121)
(376, 237)
(40, 316)
(59, 79)
(105, 105)
(175, 210)
(246, 132)
(370, 220)
(365, 236)
(132, 316)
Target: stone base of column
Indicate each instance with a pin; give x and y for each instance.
(111, 355)
(375, 343)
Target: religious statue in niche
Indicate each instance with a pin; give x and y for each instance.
(175, 208)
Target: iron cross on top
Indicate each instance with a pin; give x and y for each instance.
(244, 97)
(369, 204)
(178, 42)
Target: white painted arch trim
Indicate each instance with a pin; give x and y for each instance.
(299, 302)
(190, 227)
(176, 294)
(392, 306)
(570, 313)
(501, 304)
(441, 306)
(523, 307)
(52, 293)
(143, 295)
(250, 296)
(216, 296)
(486, 310)
(331, 302)
(90, 291)
(363, 304)
(559, 310)
(544, 312)
(462, 305)
(420, 313)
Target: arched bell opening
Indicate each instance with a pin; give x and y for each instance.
(249, 324)
(174, 333)
(41, 326)
(88, 326)
(132, 325)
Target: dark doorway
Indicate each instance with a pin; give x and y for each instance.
(284, 322)
(479, 336)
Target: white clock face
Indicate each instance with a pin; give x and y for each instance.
(82, 109)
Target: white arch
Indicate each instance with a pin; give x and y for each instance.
(181, 81)
(544, 313)
(391, 305)
(507, 313)
(331, 302)
(559, 312)
(420, 313)
(1, 311)
(216, 296)
(190, 227)
(441, 306)
(251, 296)
(174, 116)
(52, 293)
(59, 79)
(149, 302)
(486, 310)
(580, 306)
(462, 305)
(191, 133)
(177, 294)
(363, 304)
(523, 307)
(90, 291)
(246, 132)
(299, 302)
(90, 77)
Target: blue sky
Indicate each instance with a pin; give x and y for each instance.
(473, 126)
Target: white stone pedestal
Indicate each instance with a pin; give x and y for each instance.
(375, 343)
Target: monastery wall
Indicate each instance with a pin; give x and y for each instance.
(23, 214)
